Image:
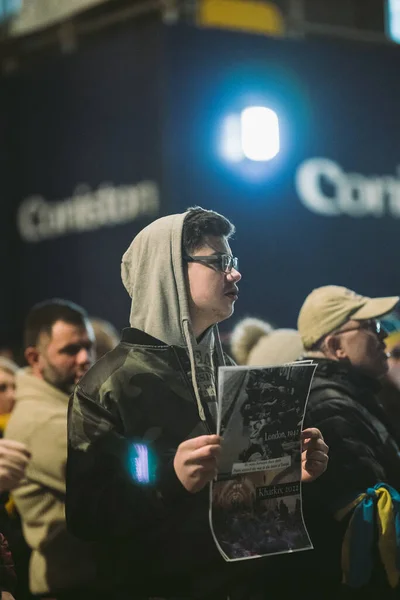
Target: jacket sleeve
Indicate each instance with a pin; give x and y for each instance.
(8, 578)
(103, 497)
(353, 464)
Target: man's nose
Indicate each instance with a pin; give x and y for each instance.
(234, 275)
(83, 356)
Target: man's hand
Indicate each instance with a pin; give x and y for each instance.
(314, 457)
(14, 458)
(7, 596)
(196, 461)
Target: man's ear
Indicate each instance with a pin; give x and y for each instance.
(32, 356)
(334, 346)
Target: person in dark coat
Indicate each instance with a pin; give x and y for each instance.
(341, 331)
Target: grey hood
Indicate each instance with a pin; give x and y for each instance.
(153, 274)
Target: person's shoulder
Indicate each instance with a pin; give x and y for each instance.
(328, 390)
(25, 417)
(325, 391)
(334, 404)
(331, 380)
(108, 368)
(117, 370)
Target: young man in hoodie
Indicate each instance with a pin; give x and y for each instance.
(142, 422)
(59, 349)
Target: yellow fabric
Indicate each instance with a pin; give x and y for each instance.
(11, 508)
(392, 340)
(245, 15)
(4, 418)
(387, 535)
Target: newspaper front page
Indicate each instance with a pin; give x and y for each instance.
(255, 501)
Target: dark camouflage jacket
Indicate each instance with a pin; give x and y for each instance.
(153, 538)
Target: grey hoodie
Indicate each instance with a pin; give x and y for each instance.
(153, 274)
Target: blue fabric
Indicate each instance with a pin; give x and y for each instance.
(362, 528)
(361, 541)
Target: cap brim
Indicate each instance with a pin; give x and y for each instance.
(375, 307)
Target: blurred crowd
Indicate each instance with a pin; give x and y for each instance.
(77, 369)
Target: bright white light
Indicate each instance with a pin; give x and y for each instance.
(259, 132)
(393, 19)
(231, 147)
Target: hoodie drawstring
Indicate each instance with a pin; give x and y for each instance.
(190, 343)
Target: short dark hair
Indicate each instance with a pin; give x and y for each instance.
(42, 317)
(199, 223)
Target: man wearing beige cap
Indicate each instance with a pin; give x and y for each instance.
(341, 331)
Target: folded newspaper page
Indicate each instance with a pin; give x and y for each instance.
(255, 501)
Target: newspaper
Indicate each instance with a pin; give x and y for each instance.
(255, 501)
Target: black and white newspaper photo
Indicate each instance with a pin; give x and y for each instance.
(255, 501)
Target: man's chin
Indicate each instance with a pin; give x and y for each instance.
(225, 314)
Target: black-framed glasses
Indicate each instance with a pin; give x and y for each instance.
(372, 325)
(220, 262)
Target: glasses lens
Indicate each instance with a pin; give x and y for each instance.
(225, 263)
(229, 262)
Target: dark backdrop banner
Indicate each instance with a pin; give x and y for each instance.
(326, 209)
(99, 143)
(87, 144)
(9, 242)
